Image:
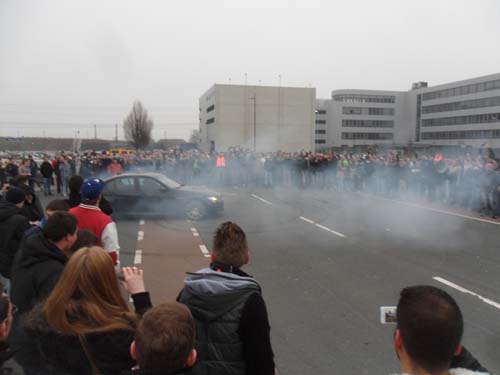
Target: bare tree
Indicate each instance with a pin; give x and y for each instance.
(195, 136)
(138, 126)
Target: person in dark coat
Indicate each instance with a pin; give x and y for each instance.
(37, 268)
(232, 326)
(6, 353)
(32, 207)
(12, 228)
(85, 326)
(46, 170)
(75, 195)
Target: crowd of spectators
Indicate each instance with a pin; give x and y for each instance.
(65, 312)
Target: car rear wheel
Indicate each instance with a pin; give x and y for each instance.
(195, 210)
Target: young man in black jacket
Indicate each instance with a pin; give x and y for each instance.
(232, 326)
(35, 272)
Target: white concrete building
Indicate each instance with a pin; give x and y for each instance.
(260, 118)
(463, 113)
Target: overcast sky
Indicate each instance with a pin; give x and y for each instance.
(66, 65)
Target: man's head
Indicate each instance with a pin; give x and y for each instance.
(230, 245)
(60, 229)
(430, 328)
(84, 238)
(75, 184)
(16, 196)
(91, 190)
(164, 339)
(5, 314)
(56, 205)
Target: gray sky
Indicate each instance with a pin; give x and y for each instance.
(66, 65)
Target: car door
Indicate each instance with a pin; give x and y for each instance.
(156, 197)
(123, 195)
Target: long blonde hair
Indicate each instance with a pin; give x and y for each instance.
(87, 298)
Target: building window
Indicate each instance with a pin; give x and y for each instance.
(462, 120)
(462, 134)
(320, 131)
(320, 121)
(321, 112)
(367, 123)
(211, 120)
(320, 141)
(465, 104)
(368, 136)
(364, 98)
(368, 111)
(463, 90)
(211, 108)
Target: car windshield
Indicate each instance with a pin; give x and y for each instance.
(169, 182)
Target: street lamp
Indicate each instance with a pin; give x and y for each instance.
(254, 98)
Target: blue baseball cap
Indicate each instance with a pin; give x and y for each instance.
(91, 188)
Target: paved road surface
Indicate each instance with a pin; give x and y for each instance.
(327, 261)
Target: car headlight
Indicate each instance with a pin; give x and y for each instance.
(213, 199)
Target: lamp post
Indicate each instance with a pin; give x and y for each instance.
(254, 98)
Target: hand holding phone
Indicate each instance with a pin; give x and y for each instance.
(388, 315)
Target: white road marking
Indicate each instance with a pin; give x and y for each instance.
(142, 222)
(140, 235)
(306, 220)
(196, 234)
(321, 226)
(205, 251)
(138, 257)
(467, 291)
(261, 199)
(437, 210)
(193, 229)
(329, 230)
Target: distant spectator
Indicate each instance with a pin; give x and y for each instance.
(46, 170)
(115, 168)
(12, 169)
(232, 326)
(65, 171)
(84, 238)
(25, 169)
(85, 326)
(92, 218)
(75, 196)
(164, 341)
(429, 332)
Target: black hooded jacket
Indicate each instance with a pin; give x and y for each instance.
(12, 228)
(35, 272)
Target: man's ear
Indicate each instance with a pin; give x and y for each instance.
(398, 340)
(191, 358)
(247, 257)
(459, 350)
(133, 351)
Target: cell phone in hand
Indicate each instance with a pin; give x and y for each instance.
(388, 315)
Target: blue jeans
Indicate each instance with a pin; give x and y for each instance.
(46, 185)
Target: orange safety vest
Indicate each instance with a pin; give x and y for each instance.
(220, 162)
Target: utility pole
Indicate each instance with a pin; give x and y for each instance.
(254, 98)
(95, 131)
(116, 132)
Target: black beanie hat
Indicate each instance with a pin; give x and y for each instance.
(15, 195)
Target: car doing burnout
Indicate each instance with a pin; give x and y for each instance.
(147, 194)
